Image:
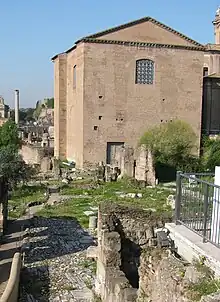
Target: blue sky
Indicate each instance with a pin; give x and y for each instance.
(32, 31)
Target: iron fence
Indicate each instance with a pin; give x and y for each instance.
(197, 205)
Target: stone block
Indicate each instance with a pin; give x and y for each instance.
(92, 222)
(112, 241)
(92, 252)
(130, 294)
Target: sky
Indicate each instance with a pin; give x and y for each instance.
(32, 31)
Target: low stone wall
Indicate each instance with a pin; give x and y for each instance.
(11, 291)
(137, 164)
(122, 233)
(131, 265)
(165, 278)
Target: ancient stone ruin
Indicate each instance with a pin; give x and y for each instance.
(135, 163)
(134, 264)
(122, 234)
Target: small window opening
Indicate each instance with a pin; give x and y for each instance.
(100, 96)
(100, 117)
(163, 100)
(122, 119)
(161, 121)
(74, 76)
(95, 127)
(205, 71)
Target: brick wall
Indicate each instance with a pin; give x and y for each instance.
(110, 91)
(60, 118)
(74, 131)
(107, 106)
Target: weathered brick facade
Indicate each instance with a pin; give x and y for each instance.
(100, 102)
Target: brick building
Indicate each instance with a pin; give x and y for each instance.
(112, 86)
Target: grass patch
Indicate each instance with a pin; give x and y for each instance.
(90, 264)
(88, 283)
(70, 209)
(152, 198)
(68, 287)
(203, 288)
(207, 285)
(21, 196)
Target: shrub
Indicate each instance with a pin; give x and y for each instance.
(211, 156)
(173, 144)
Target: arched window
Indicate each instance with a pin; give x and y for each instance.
(144, 71)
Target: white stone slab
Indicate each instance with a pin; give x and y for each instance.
(190, 246)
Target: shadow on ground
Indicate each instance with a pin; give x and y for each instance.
(50, 239)
(9, 246)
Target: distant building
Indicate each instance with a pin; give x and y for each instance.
(211, 84)
(110, 87)
(4, 111)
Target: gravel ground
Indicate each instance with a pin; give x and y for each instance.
(55, 266)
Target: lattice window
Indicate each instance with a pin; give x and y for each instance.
(144, 72)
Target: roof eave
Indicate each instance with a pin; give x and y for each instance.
(139, 21)
(144, 44)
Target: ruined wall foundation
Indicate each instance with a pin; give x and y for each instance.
(132, 266)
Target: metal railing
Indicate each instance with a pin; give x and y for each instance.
(197, 205)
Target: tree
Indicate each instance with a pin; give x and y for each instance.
(12, 165)
(172, 144)
(25, 115)
(9, 135)
(50, 103)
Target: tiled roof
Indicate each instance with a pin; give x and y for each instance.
(139, 21)
(93, 38)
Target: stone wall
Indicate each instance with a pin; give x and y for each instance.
(164, 277)
(126, 162)
(37, 156)
(60, 106)
(144, 170)
(115, 109)
(122, 234)
(11, 291)
(31, 154)
(131, 266)
(138, 164)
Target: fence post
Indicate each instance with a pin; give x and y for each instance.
(206, 204)
(178, 197)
